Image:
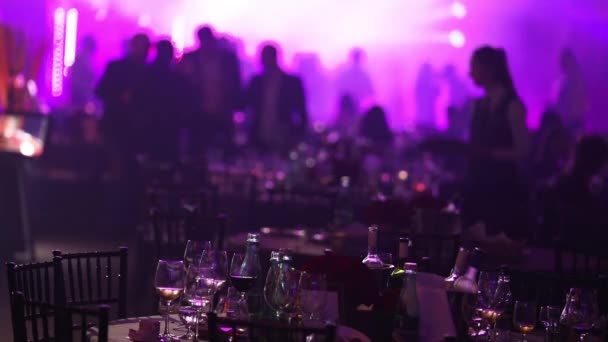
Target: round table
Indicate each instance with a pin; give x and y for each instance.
(119, 330)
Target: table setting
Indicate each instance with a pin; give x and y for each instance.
(233, 286)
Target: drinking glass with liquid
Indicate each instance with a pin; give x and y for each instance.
(524, 317)
(169, 283)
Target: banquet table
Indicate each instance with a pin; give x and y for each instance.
(119, 330)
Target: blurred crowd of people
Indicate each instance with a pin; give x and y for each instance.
(512, 178)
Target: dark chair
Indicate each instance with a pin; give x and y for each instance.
(41, 281)
(579, 262)
(48, 322)
(266, 330)
(440, 249)
(95, 278)
(171, 230)
(174, 197)
(277, 207)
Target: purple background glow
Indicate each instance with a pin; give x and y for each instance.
(397, 35)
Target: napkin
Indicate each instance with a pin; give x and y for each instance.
(148, 331)
(435, 315)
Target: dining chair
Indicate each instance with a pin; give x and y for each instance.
(93, 278)
(173, 197)
(39, 321)
(263, 330)
(39, 282)
(170, 230)
(438, 250)
(582, 262)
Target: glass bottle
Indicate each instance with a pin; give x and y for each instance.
(408, 309)
(467, 283)
(396, 278)
(271, 281)
(252, 262)
(372, 260)
(459, 267)
(343, 212)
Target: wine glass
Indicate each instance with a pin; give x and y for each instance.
(581, 311)
(242, 277)
(217, 262)
(524, 317)
(189, 316)
(201, 284)
(549, 317)
(233, 307)
(169, 282)
(487, 284)
(194, 251)
(286, 292)
(472, 315)
(313, 287)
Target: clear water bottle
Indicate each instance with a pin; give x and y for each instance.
(372, 260)
(408, 308)
(343, 212)
(270, 284)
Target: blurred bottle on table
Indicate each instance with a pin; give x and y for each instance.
(396, 278)
(459, 267)
(252, 260)
(372, 260)
(467, 283)
(343, 212)
(407, 318)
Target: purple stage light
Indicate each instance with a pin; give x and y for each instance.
(58, 51)
(457, 38)
(71, 29)
(458, 10)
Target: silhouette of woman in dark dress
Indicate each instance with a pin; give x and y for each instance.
(496, 194)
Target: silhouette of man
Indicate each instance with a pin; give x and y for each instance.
(427, 91)
(354, 80)
(278, 105)
(459, 94)
(82, 75)
(214, 71)
(119, 90)
(167, 100)
(572, 102)
(316, 85)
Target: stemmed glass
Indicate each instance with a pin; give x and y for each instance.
(472, 315)
(549, 317)
(194, 251)
(581, 311)
(200, 288)
(169, 282)
(189, 316)
(242, 277)
(233, 307)
(524, 317)
(217, 262)
(287, 291)
(487, 284)
(313, 287)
